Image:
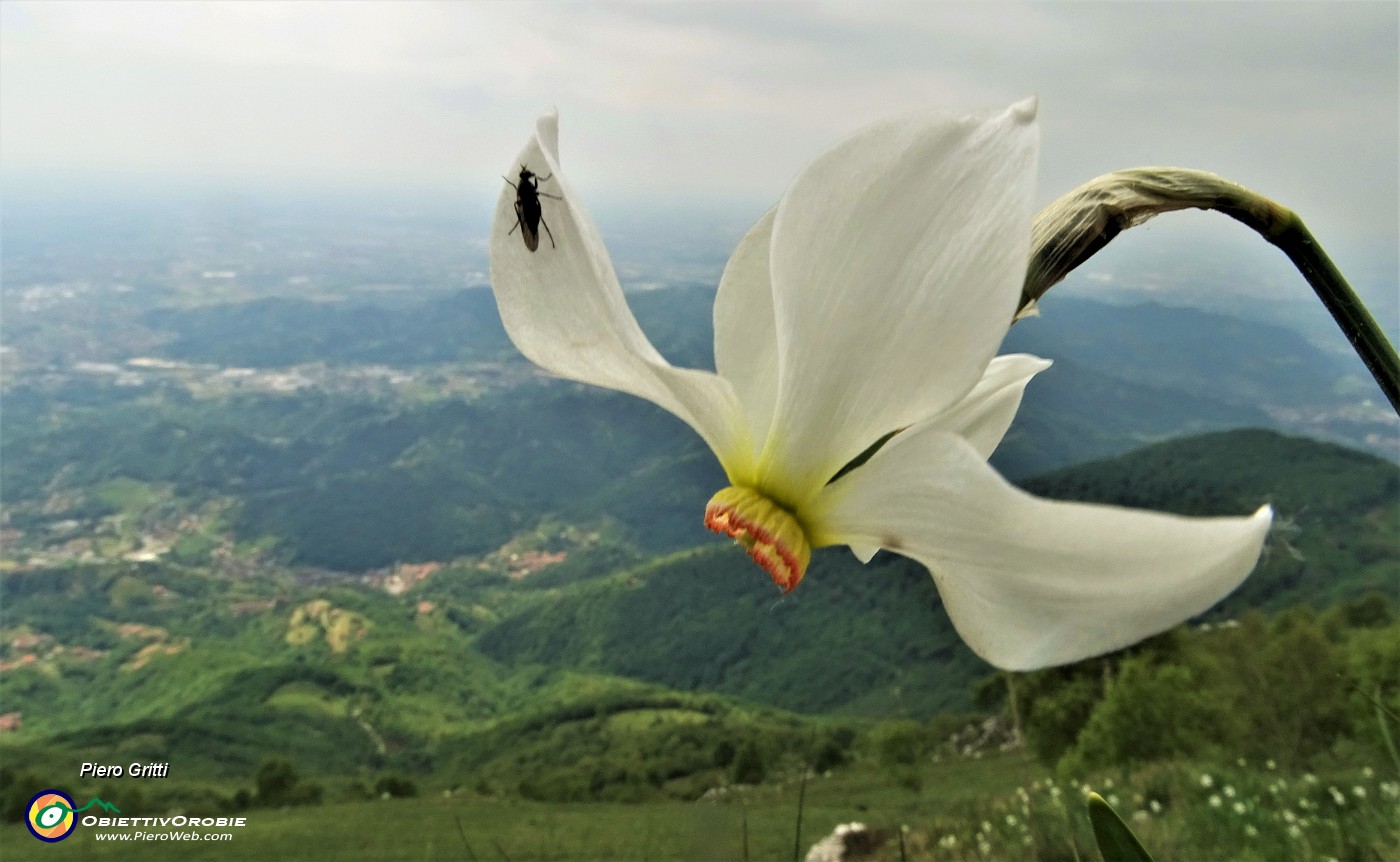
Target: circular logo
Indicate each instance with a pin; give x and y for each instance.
(50, 816)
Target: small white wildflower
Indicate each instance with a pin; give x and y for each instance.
(1251, 831)
(1108, 784)
(1368, 772)
(1240, 763)
(1215, 801)
(1155, 806)
(1269, 764)
(1112, 800)
(1359, 792)
(1337, 796)
(1207, 781)
(1239, 808)
(1295, 832)
(1309, 778)
(1011, 820)
(1229, 792)
(1140, 816)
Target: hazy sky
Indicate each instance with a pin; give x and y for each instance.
(716, 100)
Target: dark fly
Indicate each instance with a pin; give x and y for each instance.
(528, 213)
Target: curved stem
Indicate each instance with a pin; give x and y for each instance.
(1073, 228)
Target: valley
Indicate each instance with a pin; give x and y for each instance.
(336, 545)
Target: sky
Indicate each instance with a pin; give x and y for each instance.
(696, 102)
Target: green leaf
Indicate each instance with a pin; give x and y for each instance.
(1116, 841)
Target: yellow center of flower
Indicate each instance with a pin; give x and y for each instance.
(770, 533)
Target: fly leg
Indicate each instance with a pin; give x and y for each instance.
(518, 222)
(539, 180)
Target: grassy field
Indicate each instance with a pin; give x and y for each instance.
(1001, 808)
(426, 829)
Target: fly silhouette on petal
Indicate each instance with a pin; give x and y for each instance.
(529, 214)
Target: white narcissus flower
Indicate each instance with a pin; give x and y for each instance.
(871, 301)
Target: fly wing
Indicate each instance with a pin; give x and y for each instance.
(528, 231)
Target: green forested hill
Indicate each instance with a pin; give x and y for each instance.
(1188, 350)
(155, 663)
(867, 640)
(542, 680)
(1072, 413)
(872, 639)
(355, 484)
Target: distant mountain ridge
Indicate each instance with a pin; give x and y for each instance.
(1226, 358)
(1127, 375)
(1147, 343)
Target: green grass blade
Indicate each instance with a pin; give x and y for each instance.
(1116, 841)
(1385, 734)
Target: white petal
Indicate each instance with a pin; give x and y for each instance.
(865, 553)
(564, 309)
(1028, 582)
(746, 341)
(897, 261)
(983, 415)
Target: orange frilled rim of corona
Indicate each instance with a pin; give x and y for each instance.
(768, 532)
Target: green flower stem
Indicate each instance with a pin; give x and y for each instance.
(1073, 228)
